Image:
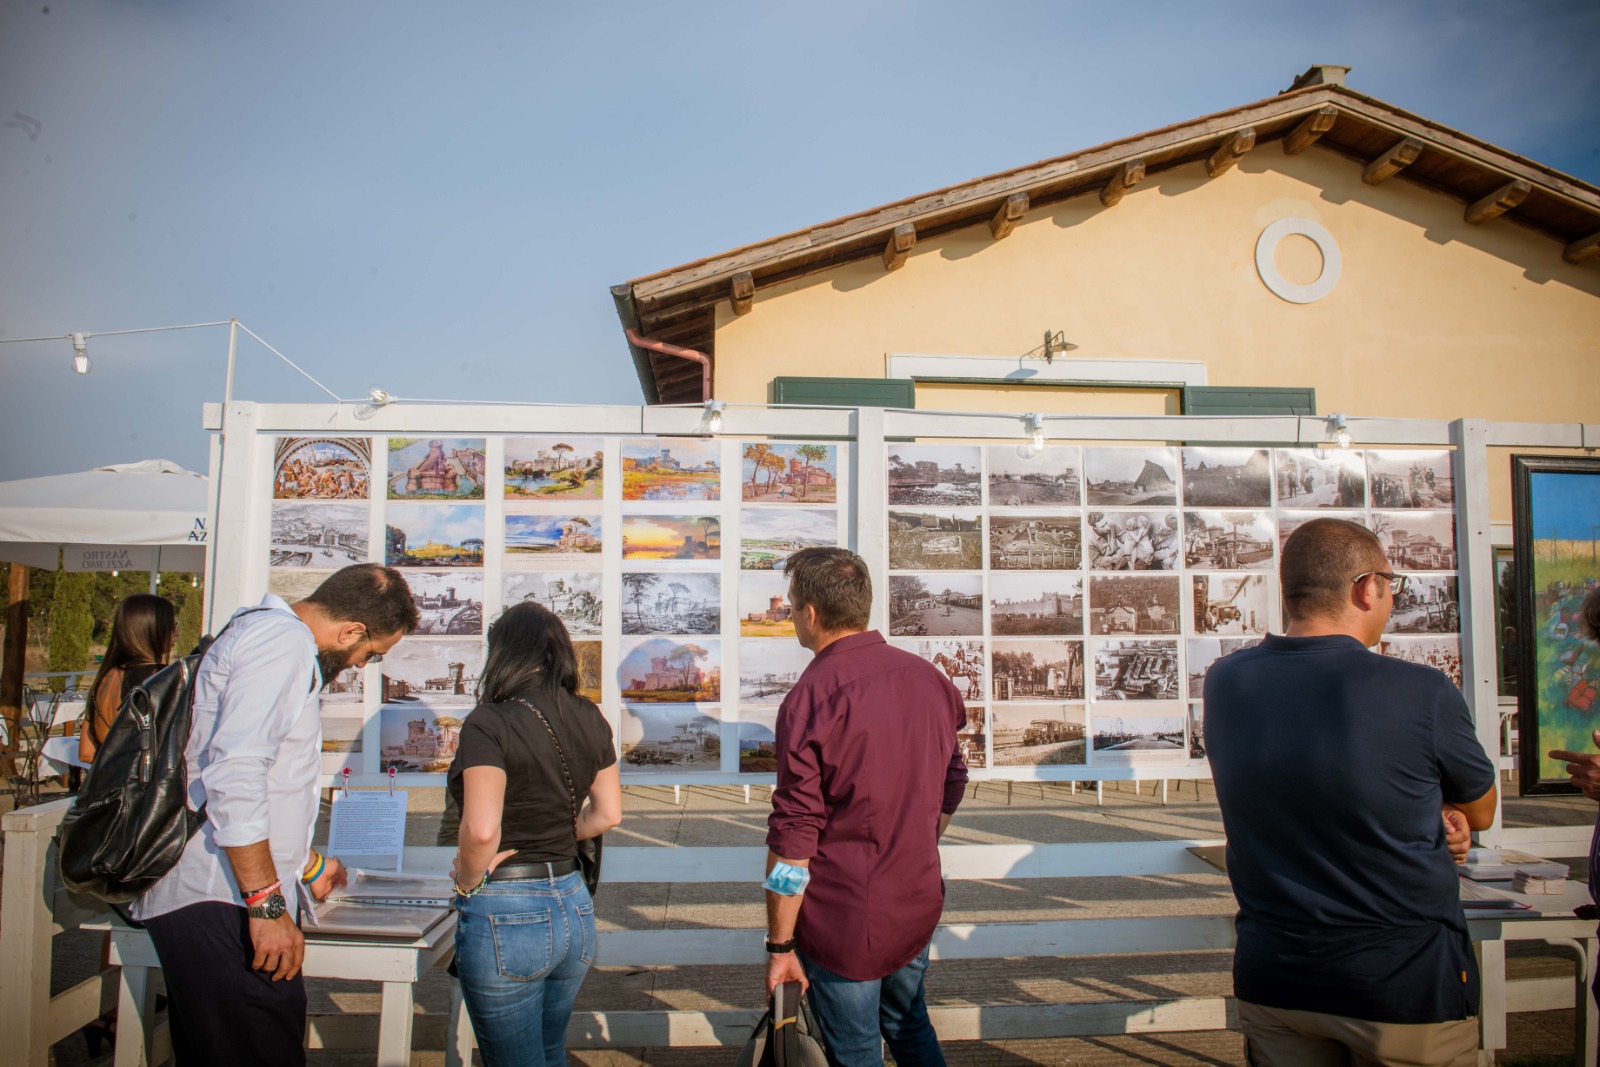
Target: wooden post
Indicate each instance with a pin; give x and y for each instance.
(13, 660)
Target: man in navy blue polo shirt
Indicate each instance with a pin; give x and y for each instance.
(1333, 767)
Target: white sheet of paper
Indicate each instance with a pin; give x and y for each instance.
(368, 828)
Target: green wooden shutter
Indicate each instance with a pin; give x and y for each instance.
(845, 392)
(1247, 400)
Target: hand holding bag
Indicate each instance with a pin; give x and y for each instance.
(787, 1035)
(588, 851)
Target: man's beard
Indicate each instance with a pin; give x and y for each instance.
(332, 662)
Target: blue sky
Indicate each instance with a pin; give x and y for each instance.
(1566, 506)
(435, 197)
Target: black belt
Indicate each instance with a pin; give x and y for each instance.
(512, 872)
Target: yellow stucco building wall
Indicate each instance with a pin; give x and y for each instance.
(1431, 317)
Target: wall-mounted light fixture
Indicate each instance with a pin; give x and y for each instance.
(711, 421)
(1339, 430)
(1036, 437)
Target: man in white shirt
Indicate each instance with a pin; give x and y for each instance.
(223, 921)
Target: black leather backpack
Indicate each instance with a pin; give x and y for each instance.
(132, 820)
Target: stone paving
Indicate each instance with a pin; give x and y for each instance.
(1028, 813)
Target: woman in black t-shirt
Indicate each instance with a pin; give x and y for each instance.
(535, 772)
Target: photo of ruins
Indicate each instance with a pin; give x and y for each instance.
(1019, 477)
(935, 541)
(671, 468)
(431, 671)
(675, 603)
(450, 603)
(1227, 478)
(660, 670)
(773, 473)
(669, 740)
(764, 609)
(574, 596)
(945, 475)
(1135, 670)
(1021, 604)
(1034, 542)
(416, 738)
(543, 468)
(1131, 477)
(553, 536)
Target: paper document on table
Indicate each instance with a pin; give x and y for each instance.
(1501, 864)
(1475, 897)
(411, 890)
(344, 919)
(368, 828)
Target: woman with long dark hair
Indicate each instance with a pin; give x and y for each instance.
(535, 772)
(142, 632)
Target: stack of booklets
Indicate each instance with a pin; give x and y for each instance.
(377, 904)
(1537, 884)
(1481, 898)
(1502, 864)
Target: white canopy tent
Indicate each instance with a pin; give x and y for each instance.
(149, 515)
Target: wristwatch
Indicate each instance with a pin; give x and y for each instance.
(274, 907)
(778, 948)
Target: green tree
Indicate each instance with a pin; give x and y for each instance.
(191, 619)
(71, 625)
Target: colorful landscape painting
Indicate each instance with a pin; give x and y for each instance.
(758, 740)
(425, 535)
(671, 537)
(768, 536)
(789, 473)
(553, 536)
(660, 670)
(566, 468)
(671, 468)
(764, 605)
(669, 740)
(322, 468)
(436, 468)
(417, 738)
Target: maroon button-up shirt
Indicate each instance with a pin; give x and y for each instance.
(867, 762)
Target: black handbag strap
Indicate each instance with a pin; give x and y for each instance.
(566, 771)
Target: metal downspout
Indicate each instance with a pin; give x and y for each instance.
(635, 338)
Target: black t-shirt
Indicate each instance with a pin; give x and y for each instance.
(1331, 764)
(537, 819)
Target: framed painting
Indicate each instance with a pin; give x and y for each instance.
(1556, 506)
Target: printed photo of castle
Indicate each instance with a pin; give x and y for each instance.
(790, 473)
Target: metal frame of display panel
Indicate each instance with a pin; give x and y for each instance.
(242, 476)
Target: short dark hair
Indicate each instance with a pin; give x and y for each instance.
(1589, 615)
(369, 593)
(529, 647)
(1319, 559)
(834, 581)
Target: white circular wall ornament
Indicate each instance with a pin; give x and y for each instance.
(1317, 234)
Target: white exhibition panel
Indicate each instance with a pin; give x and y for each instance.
(864, 500)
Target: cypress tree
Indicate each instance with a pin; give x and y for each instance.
(71, 624)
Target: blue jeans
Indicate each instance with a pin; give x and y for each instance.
(522, 949)
(857, 1017)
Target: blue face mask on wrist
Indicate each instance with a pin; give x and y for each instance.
(787, 880)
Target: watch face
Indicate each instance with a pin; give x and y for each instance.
(274, 907)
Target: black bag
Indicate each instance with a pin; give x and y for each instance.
(131, 821)
(589, 851)
(787, 1035)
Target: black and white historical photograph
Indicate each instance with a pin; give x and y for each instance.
(326, 536)
(432, 671)
(1321, 478)
(1132, 541)
(937, 540)
(1197, 735)
(1228, 540)
(1033, 542)
(349, 686)
(1134, 604)
(1041, 604)
(1037, 669)
(1124, 737)
(1039, 735)
(1227, 478)
(961, 661)
(1135, 669)
(973, 738)
(680, 602)
(1440, 653)
(936, 605)
(944, 475)
(769, 668)
(1202, 652)
(573, 595)
(668, 738)
(1229, 603)
(451, 604)
(1417, 540)
(1411, 479)
(1290, 521)
(1019, 477)
(1426, 604)
(291, 584)
(1131, 477)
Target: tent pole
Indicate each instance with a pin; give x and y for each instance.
(155, 568)
(13, 660)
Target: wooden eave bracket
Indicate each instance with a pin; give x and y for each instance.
(899, 246)
(1123, 178)
(1582, 249)
(1010, 212)
(1307, 133)
(1230, 152)
(1396, 159)
(1498, 202)
(742, 291)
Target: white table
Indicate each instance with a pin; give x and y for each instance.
(398, 965)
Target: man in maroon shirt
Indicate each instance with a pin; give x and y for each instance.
(869, 773)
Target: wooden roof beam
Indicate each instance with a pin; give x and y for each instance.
(742, 289)
(1583, 248)
(1006, 218)
(1307, 133)
(898, 246)
(1498, 202)
(1396, 159)
(1230, 152)
(1123, 178)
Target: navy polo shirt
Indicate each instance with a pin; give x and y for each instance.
(1331, 765)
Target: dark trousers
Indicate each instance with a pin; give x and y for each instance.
(221, 1012)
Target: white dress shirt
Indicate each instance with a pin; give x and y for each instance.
(254, 760)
